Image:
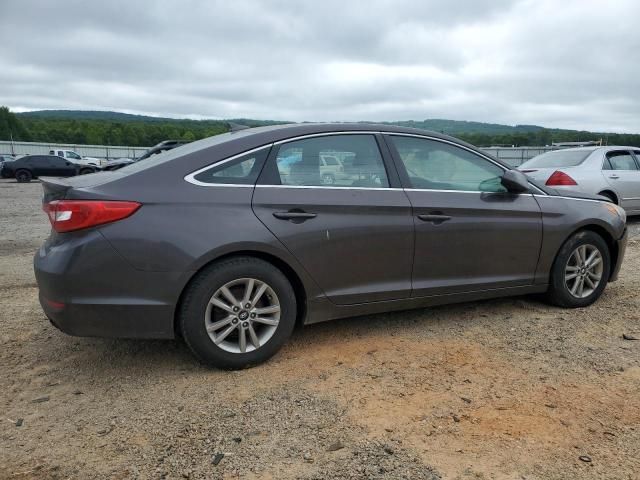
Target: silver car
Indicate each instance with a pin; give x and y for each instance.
(613, 172)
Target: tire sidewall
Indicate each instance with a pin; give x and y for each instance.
(27, 176)
(192, 313)
(559, 289)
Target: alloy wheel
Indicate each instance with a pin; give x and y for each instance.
(242, 315)
(583, 271)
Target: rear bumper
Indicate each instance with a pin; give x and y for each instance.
(622, 247)
(87, 289)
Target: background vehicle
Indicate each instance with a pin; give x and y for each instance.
(28, 167)
(156, 149)
(613, 172)
(6, 158)
(231, 243)
(76, 158)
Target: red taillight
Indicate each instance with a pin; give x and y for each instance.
(560, 178)
(69, 215)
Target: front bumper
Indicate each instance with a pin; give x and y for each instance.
(87, 289)
(622, 247)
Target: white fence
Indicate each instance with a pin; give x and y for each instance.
(512, 155)
(97, 151)
(515, 156)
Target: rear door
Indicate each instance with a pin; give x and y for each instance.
(354, 236)
(622, 172)
(471, 234)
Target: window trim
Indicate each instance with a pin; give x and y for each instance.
(388, 157)
(191, 177)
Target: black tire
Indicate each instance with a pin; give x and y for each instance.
(23, 176)
(198, 294)
(559, 293)
(86, 171)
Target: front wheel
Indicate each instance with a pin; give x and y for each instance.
(23, 176)
(580, 271)
(238, 312)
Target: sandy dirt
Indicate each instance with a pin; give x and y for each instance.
(504, 389)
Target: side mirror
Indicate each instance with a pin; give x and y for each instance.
(515, 181)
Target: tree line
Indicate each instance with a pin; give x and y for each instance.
(111, 128)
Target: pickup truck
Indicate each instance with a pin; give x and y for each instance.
(73, 157)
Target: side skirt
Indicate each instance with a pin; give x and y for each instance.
(320, 310)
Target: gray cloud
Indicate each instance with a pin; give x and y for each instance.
(564, 64)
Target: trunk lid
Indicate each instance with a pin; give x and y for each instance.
(540, 174)
(56, 188)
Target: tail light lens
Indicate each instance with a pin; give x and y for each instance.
(560, 178)
(70, 215)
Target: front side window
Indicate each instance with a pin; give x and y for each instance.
(620, 161)
(243, 170)
(333, 160)
(436, 165)
(74, 156)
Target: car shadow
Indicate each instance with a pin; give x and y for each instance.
(133, 357)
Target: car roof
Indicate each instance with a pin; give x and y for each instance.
(277, 133)
(605, 148)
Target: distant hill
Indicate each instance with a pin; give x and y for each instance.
(116, 128)
(128, 117)
(436, 124)
(459, 126)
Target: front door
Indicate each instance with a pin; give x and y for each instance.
(354, 236)
(471, 234)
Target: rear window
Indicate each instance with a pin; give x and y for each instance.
(560, 158)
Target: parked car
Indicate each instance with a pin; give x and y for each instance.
(214, 243)
(156, 149)
(6, 158)
(613, 172)
(77, 158)
(28, 167)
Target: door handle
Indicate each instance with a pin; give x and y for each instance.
(614, 176)
(436, 219)
(296, 217)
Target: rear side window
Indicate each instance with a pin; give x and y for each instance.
(559, 158)
(243, 170)
(333, 160)
(621, 161)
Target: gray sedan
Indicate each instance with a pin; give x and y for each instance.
(231, 241)
(613, 172)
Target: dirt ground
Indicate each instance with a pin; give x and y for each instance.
(507, 388)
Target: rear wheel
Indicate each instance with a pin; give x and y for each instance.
(23, 176)
(86, 171)
(237, 313)
(580, 271)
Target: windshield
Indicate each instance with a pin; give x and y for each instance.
(559, 158)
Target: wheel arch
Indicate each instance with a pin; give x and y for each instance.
(296, 282)
(608, 192)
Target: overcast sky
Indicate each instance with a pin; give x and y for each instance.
(569, 63)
